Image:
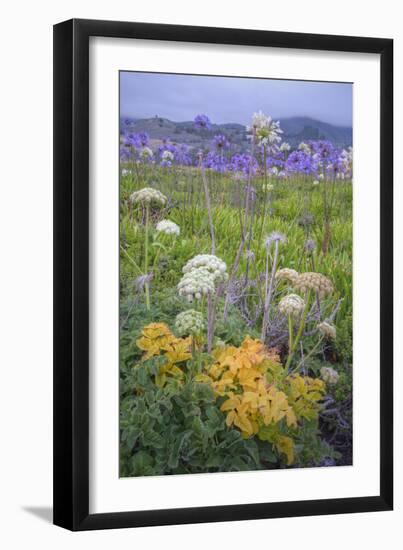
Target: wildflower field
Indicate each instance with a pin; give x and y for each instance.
(235, 303)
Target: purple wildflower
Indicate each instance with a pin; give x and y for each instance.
(302, 162)
(143, 139)
(202, 122)
(220, 142)
(215, 162)
(244, 163)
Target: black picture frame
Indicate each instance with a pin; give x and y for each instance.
(71, 274)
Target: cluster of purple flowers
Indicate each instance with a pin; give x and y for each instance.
(136, 140)
(243, 163)
(215, 161)
(172, 153)
(301, 162)
(319, 159)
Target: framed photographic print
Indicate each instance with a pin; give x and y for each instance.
(223, 274)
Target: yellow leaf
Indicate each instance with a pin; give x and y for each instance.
(285, 445)
(175, 371)
(160, 380)
(203, 378)
(243, 423)
(178, 351)
(291, 418)
(230, 404)
(247, 377)
(230, 418)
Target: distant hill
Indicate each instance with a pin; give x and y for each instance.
(296, 129)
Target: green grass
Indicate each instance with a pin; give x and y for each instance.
(287, 204)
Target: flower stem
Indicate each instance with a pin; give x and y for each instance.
(131, 259)
(264, 191)
(315, 347)
(290, 331)
(208, 204)
(210, 322)
(300, 331)
(269, 291)
(147, 285)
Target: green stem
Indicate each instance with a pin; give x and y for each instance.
(147, 286)
(264, 191)
(290, 332)
(315, 347)
(131, 259)
(300, 330)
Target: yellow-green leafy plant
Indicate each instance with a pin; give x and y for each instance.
(157, 339)
(258, 396)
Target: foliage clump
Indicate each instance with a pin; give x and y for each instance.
(241, 395)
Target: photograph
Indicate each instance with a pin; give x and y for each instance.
(235, 274)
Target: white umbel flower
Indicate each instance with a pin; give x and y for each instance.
(285, 146)
(146, 153)
(287, 274)
(168, 227)
(327, 330)
(266, 130)
(291, 305)
(148, 196)
(329, 375)
(214, 265)
(189, 322)
(196, 283)
(314, 281)
(347, 160)
(167, 156)
(304, 147)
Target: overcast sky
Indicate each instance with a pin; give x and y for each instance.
(223, 99)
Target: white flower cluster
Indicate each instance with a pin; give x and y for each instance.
(314, 281)
(315, 182)
(167, 156)
(347, 159)
(291, 305)
(201, 274)
(146, 153)
(211, 263)
(285, 146)
(168, 227)
(268, 187)
(148, 196)
(327, 330)
(304, 147)
(329, 375)
(265, 128)
(287, 274)
(195, 284)
(189, 322)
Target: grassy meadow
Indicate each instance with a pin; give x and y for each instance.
(243, 387)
